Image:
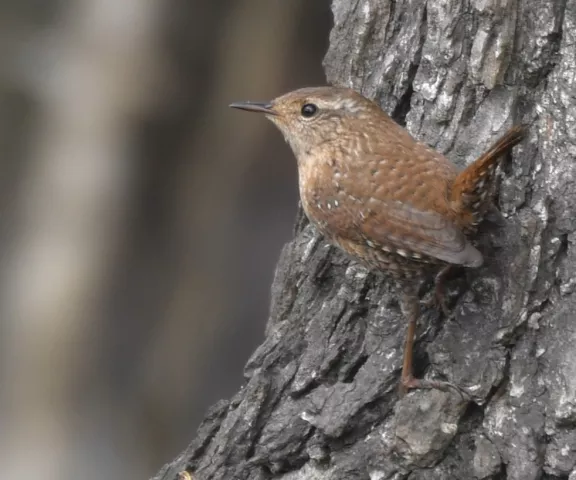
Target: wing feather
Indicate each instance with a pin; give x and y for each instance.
(379, 213)
(403, 227)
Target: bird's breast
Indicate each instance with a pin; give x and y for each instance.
(324, 197)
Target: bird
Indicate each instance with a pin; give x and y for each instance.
(390, 202)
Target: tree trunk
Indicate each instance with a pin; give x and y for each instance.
(321, 397)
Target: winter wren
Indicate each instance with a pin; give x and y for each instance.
(387, 200)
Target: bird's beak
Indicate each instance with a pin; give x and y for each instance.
(255, 107)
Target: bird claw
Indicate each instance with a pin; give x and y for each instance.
(438, 300)
(410, 383)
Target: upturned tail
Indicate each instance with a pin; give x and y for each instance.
(473, 189)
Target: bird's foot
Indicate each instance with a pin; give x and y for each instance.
(409, 383)
(438, 299)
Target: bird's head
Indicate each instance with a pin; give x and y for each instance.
(309, 117)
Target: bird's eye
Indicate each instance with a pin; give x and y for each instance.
(309, 110)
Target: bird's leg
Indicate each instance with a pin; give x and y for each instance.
(439, 291)
(411, 309)
(439, 297)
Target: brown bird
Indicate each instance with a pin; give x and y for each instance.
(384, 198)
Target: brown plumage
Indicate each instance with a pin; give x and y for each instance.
(391, 202)
(472, 190)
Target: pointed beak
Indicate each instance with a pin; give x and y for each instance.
(254, 107)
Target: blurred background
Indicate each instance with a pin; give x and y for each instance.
(140, 219)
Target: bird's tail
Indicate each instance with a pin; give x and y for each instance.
(474, 187)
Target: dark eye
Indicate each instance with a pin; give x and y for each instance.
(308, 110)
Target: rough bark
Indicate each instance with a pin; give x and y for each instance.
(321, 399)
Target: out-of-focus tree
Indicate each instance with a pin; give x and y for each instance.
(141, 219)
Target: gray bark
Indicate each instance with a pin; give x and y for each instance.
(321, 398)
